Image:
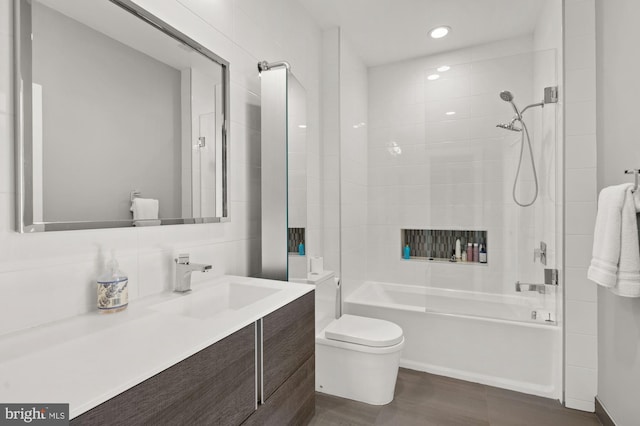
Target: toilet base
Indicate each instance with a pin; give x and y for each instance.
(364, 374)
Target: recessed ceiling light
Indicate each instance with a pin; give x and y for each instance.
(439, 32)
(444, 68)
(450, 113)
(433, 77)
(302, 126)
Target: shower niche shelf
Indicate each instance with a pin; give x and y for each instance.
(438, 245)
(295, 237)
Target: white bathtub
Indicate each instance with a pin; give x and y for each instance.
(483, 338)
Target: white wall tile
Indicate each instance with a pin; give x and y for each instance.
(580, 185)
(580, 18)
(579, 85)
(582, 350)
(217, 13)
(577, 404)
(581, 383)
(6, 71)
(582, 218)
(578, 287)
(580, 52)
(581, 153)
(6, 154)
(578, 251)
(581, 317)
(580, 118)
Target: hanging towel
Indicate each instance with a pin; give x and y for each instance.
(615, 262)
(145, 208)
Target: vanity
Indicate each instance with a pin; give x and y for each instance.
(234, 350)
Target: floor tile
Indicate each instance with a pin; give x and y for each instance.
(428, 400)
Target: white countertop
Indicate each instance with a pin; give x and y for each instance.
(88, 359)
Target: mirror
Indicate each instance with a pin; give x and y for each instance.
(121, 119)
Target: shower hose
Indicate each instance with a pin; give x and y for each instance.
(533, 166)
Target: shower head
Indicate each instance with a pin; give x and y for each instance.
(507, 96)
(509, 126)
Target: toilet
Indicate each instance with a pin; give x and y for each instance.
(356, 357)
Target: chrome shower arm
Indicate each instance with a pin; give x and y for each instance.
(539, 104)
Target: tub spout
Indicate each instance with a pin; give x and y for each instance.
(540, 288)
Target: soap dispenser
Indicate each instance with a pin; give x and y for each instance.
(113, 291)
(406, 252)
(301, 248)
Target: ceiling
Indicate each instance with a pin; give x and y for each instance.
(384, 31)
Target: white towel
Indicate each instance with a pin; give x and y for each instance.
(616, 253)
(144, 208)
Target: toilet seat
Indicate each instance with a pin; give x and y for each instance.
(364, 331)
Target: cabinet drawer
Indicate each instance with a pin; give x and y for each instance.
(288, 341)
(294, 402)
(213, 386)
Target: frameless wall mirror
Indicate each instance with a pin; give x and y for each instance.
(121, 120)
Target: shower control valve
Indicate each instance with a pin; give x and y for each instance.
(541, 253)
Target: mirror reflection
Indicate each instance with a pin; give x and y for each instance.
(128, 121)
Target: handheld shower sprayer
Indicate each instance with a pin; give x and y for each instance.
(507, 96)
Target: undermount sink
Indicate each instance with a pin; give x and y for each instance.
(209, 302)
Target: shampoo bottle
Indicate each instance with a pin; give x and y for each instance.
(406, 252)
(483, 254)
(301, 248)
(458, 252)
(112, 286)
(476, 252)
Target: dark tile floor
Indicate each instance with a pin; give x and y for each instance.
(425, 399)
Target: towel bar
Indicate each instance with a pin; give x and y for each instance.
(635, 173)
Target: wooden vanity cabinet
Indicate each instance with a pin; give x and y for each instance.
(214, 386)
(217, 386)
(288, 365)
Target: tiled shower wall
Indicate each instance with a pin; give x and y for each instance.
(48, 276)
(430, 169)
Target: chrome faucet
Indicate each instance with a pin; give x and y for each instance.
(184, 270)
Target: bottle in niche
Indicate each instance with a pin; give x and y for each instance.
(406, 252)
(483, 254)
(458, 253)
(464, 255)
(476, 252)
(469, 252)
(301, 248)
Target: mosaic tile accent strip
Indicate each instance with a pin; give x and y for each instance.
(296, 235)
(438, 243)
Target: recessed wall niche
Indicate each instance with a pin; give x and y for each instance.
(440, 244)
(296, 236)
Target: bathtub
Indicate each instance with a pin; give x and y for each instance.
(482, 338)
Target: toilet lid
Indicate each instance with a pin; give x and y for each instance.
(364, 331)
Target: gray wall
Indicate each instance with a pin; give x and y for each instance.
(618, 88)
(111, 123)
